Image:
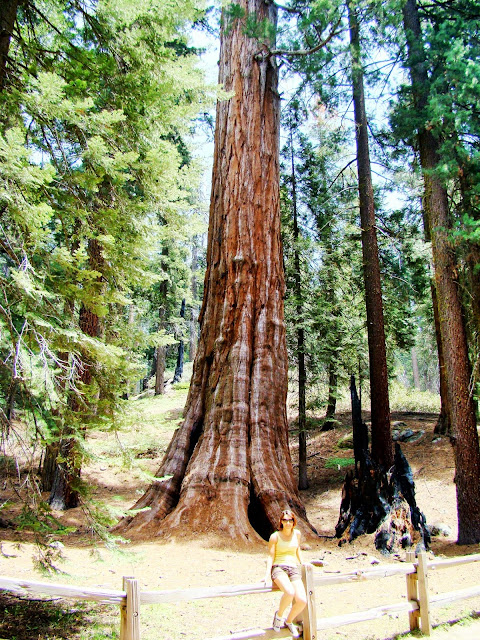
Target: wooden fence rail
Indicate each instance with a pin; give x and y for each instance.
(130, 598)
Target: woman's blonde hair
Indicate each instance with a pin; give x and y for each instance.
(290, 514)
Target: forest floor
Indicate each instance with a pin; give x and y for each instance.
(119, 470)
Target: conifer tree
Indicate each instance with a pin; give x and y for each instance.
(94, 103)
(452, 328)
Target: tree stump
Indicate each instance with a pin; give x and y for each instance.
(378, 501)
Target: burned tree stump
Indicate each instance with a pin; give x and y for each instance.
(375, 500)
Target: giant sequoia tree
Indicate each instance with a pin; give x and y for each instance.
(228, 469)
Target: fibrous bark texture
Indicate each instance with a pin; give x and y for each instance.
(8, 15)
(227, 470)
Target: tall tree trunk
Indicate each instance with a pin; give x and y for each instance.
(48, 467)
(129, 386)
(329, 422)
(64, 493)
(8, 15)
(302, 372)
(228, 468)
(382, 451)
(470, 207)
(443, 425)
(452, 327)
(181, 346)
(160, 358)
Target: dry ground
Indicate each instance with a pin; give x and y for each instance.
(174, 565)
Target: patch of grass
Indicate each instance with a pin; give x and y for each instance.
(143, 432)
(335, 463)
(404, 399)
(22, 619)
(179, 386)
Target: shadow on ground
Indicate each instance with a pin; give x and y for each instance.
(22, 619)
(458, 628)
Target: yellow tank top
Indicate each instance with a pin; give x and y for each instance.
(286, 550)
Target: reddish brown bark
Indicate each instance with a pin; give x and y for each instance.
(382, 451)
(193, 333)
(229, 463)
(470, 206)
(8, 15)
(443, 425)
(67, 468)
(452, 326)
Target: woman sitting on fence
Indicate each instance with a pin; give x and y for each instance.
(283, 568)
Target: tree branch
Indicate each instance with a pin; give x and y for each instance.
(306, 52)
(341, 171)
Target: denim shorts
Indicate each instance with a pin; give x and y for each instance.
(294, 573)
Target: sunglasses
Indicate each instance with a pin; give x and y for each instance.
(287, 519)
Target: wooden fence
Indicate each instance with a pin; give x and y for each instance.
(417, 605)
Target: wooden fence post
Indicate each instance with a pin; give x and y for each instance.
(130, 611)
(309, 614)
(423, 599)
(412, 593)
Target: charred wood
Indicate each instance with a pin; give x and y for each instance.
(380, 501)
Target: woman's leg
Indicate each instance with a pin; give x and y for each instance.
(284, 584)
(299, 600)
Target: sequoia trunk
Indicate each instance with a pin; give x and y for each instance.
(227, 470)
(382, 451)
(452, 326)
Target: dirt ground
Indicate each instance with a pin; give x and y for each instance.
(165, 565)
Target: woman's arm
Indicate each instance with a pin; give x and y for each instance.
(271, 556)
(299, 552)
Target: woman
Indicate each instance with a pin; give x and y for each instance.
(284, 569)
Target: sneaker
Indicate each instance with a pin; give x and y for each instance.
(278, 623)
(294, 629)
